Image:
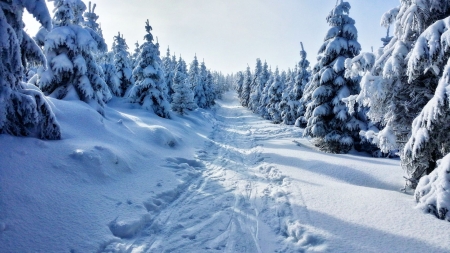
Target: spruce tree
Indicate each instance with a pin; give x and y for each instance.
(264, 99)
(72, 70)
(404, 78)
(327, 116)
(302, 78)
(210, 89)
(149, 90)
(275, 93)
(24, 111)
(255, 91)
(122, 63)
(183, 96)
(430, 137)
(199, 88)
(245, 94)
(169, 70)
(111, 76)
(238, 83)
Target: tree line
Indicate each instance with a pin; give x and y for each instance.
(396, 100)
(69, 59)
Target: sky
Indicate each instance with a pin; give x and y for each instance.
(229, 34)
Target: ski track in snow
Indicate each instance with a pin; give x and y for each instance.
(234, 200)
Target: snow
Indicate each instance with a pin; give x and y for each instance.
(219, 180)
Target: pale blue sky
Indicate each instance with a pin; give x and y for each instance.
(228, 34)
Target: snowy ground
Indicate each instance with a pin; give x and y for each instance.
(214, 181)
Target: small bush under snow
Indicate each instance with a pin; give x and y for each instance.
(433, 191)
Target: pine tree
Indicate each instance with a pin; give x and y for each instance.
(91, 25)
(24, 111)
(301, 80)
(111, 74)
(72, 71)
(286, 107)
(199, 88)
(255, 91)
(210, 89)
(264, 99)
(122, 63)
(275, 93)
(245, 94)
(238, 83)
(430, 138)
(134, 57)
(149, 90)
(183, 97)
(169, 71)
(404, 78)
(327, 116)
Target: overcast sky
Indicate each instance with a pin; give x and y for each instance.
(229, 34)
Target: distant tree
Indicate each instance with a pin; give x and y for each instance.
(122, 63)
(255, 91)
(183, 96)
(199, 88)
(72, 71)
(149, 90)
(264, 98)
(246, 86)
(238, 83)
(327, 116)
(275, 93)
(302, 78)
(210, 89)
(111, 74)
(136, 53)
(169, 71)
(24, 111)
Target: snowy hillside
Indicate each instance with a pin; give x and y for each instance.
(220, 180)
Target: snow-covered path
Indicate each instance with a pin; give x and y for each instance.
(260, 187)
(239, 203)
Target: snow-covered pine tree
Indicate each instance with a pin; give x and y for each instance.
(246, 86)
(91, 20)
(169, 70)
(90, 23)
(122, 63)
(136, 53)
(255, 94)
(111, 74)
(183, 96)
(199, 88)
(238, 83)
(275, 93)
(302, 78)
(149, 89)
(403, 79)
(287, 103)
(264, 99)
(72, 71)
(193, 73)
(327, 115)
(24, 111)
(430, 138)
(210, 89)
